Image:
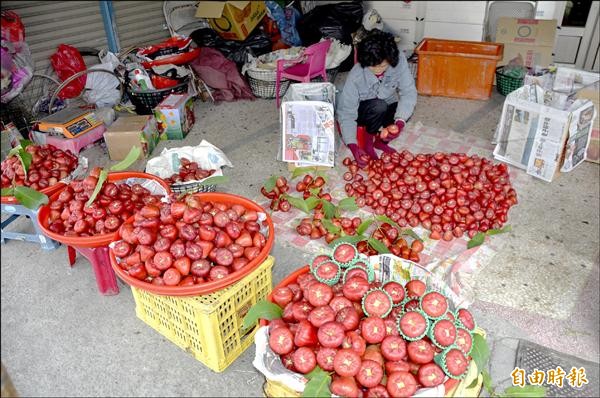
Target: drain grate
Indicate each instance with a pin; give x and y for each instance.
(532, 356)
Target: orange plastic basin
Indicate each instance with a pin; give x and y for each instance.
(459, 69)
(48, 191)
(212, 286)
(96, 240)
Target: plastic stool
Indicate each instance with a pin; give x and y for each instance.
(74, 145)
(98, 256)
(17, 211)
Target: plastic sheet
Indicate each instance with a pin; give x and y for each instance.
(286, 22)
(337, 53)
(16, 69)
(311, 92)
(330, 20)
(256, 44)
(151, 185)
(451, 261)
(208, 157)
(257, 66)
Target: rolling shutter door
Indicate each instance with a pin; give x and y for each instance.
(140, 22)
(50, 23)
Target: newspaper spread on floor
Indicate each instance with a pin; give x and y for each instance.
(308, 133)
(451, 261)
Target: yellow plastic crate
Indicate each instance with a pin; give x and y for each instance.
(208, 326)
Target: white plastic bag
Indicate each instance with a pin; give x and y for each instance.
(268, 62)
(102, 88)
(337, 53)
(208, 157)
(372, 20)
(311, 92)
(17, 69)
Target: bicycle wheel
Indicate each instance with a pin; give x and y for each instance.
(77, 75)
(27, 108)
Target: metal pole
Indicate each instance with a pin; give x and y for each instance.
(110, 27)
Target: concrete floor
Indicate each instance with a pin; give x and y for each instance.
(61, 338)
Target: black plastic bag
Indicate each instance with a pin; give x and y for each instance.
(330, 20)
(206, 37)
(257, 43)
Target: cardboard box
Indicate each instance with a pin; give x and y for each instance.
(533, 39)
(129, 131)
(175, 116)
(542, 132)
(233, 20)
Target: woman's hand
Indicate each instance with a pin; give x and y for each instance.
(395, 129)
(392, 131)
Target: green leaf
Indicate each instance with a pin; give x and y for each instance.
(315, 372)
(298, 203)
(384, 218)
(269, 185)
(477, 240)
(26, 159)
(473, 383)
(261, 310)
(318, 384)
(362, 228)
(487, 381)
(314, 191)
(8, 191)
(378, 245)
(527, 391)
(312, 202)
(215, 180)
(480, 352)
(321, 173)
(101, 179)
(13, 151)
(30, 198)
(411, 233)
(298, 171)
(331, 227)
(348, 204)
(354, 239)
(328, 208)
(130, 159)
(25, 143)
(491, 232)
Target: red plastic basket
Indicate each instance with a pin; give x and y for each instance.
(48, 191)
(207, 287)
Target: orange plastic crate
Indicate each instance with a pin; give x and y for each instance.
(459, 69)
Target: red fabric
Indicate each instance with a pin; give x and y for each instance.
(222, 75)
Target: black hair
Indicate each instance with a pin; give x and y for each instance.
(377, 47)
